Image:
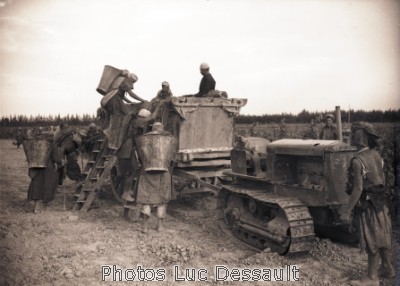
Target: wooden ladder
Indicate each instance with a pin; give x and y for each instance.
(132, 206)
(96, 170)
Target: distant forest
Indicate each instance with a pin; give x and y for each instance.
(304, 116)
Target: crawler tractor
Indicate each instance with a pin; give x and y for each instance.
(286, 191)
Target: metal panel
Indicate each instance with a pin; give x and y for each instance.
(206, 122)
(336, 167)
(307, 147)
(309, 196)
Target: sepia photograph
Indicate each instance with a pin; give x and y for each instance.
(199, 142)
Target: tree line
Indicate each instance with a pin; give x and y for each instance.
(50, 120)
(304, 116)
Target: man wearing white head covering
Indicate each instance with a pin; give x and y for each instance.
(207, 83)
(113, 103)
(127, 161)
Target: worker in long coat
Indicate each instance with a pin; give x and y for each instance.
(128, 163)
(366, 186)
(44, 181)
(155, 187)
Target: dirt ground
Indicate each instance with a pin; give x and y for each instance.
(62, 247)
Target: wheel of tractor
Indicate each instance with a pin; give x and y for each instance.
(264, 220)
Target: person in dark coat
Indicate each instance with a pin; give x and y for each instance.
(68, 145)
(329, 132)
(19, 138)
(88, 141)
(366, 186)
(44, 181)
(207, 83)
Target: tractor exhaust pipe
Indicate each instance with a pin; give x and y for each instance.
(339, 123)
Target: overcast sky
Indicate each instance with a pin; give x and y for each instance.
(284, 55)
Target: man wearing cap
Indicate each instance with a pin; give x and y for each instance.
(366, 181)
(207, 83)
(329, 131)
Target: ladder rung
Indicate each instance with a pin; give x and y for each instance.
(95, 151)
(100, 140)
(100, 167)
(81, 201)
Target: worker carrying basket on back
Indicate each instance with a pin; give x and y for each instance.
(154, 188)
(114, 85)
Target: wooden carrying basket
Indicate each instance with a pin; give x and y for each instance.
(37, 152)
(108, 77)
(156, 151)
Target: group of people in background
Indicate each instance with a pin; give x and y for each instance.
(328, 130)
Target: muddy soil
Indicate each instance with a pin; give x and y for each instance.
(62, 247)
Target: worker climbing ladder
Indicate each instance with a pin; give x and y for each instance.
(96, 170)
